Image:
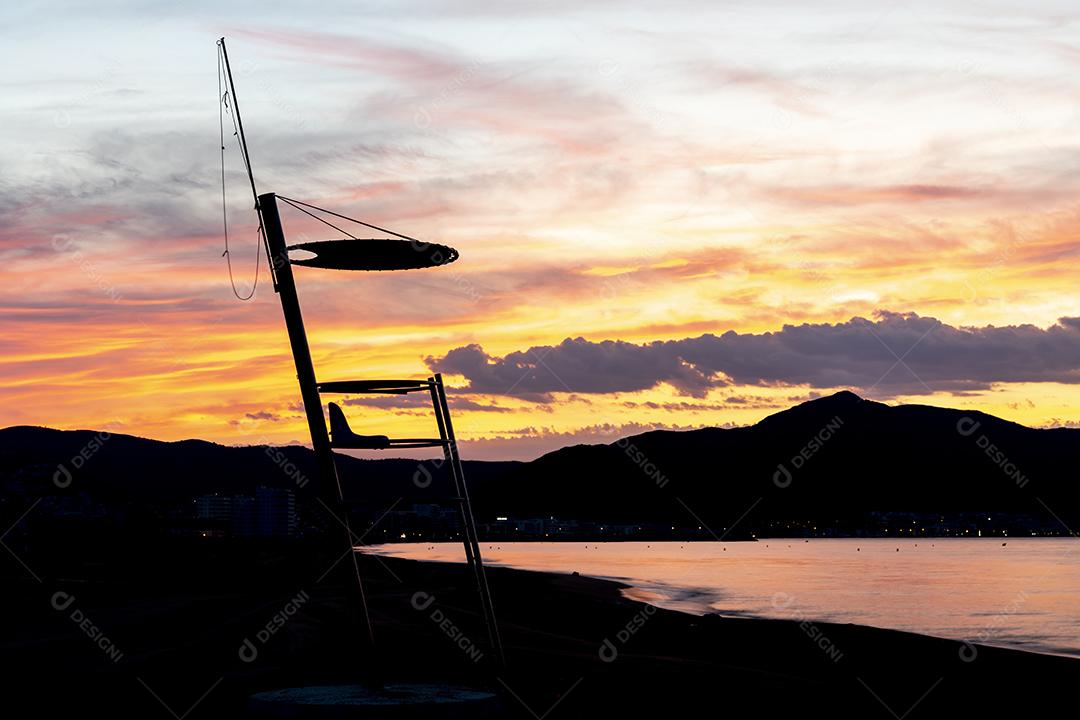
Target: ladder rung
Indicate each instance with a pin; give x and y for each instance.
(417, 442)
(374, 386)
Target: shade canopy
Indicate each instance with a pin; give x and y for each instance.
(377, 254)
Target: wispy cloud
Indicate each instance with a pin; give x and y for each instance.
(639, 182)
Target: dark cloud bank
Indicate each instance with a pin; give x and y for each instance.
(897, 353)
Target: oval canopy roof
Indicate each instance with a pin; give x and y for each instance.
(377, 254)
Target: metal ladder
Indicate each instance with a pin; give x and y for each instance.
(342, 437)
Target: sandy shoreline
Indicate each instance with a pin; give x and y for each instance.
(751, 658)
(574, 645)
(965, 589)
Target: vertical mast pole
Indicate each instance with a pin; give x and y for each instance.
(277, 254)
(239, 122)
(305, 375)
(294, 323)
(243, 145)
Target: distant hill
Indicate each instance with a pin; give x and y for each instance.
(833, 461)
(121, 466)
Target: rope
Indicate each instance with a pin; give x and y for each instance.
(294, 203)
(223, 104)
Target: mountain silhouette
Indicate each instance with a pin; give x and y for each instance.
(835, 460)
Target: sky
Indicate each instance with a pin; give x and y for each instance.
(669, 215)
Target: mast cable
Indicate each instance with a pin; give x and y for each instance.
(325, 222)
(291, 201)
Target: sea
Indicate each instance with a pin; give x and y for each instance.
(1021, 593)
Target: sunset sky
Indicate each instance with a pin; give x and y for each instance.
(670, 215)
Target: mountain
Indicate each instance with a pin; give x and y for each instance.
(126, 467)
(87, 485)
(837, 461)
(831, 460)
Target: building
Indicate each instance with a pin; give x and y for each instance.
(271, 512)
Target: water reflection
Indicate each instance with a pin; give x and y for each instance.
(1024, 594)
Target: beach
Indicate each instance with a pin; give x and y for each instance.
(198, 632)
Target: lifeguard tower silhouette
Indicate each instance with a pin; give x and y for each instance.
(368, 255)
(399, 252)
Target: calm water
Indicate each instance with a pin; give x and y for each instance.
(1023, 595)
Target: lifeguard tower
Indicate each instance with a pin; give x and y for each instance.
(350, 253)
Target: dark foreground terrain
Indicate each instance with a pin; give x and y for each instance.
(182, 631)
